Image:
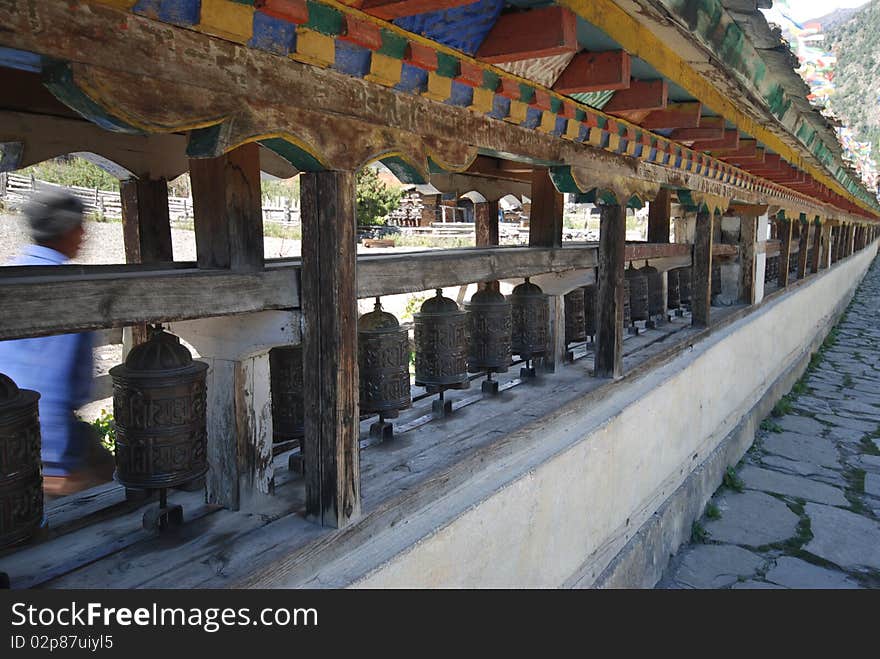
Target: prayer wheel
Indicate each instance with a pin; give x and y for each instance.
(575, 317)
(716, 279)
(489, 331)
(638, 293)
(286, 385)
(159, 402)
(685, 279)
(383, 363)
(441, 345)
(627, 313)
(21, 478)
(590, 309)
(655, 290)
(530, 314)
(673, 297)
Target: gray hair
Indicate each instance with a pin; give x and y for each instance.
(52, 213)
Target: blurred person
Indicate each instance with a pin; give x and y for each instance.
(58, 367)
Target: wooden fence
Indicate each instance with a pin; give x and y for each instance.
(15, 190)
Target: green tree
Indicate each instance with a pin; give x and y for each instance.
(375, 200)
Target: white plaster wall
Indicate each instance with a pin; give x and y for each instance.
(610, 466)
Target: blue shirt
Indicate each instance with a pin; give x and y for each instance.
(60, 368)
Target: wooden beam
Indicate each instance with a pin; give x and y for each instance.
(730, 140)
(227, 209)
(642, 96)
(701, 294)
(746, 149)
(146, 228)
(818, 230)
(675, 115)
(497, 168)
(530, 34)
(659, 214)
(803, 248)
(710, 129)
(609, 296)
(330, 364)
(486, 223)
(545, 221)
(785, 231)
(391, 9)
(592, 72)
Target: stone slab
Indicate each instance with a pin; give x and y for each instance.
(800, 424)
(716, 566)
(801, 468)
(793, 446)
(752, 519)
(755, 585)
(795, 573)
(798, 487)
(848, 422)
(872, 484)
(846, 539)
(812, 405)
(844, 435)
(868, 462)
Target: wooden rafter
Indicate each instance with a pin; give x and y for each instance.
(530, 34)
(642, 96)
(592, 72)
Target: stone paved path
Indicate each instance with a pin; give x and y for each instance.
(802, 509)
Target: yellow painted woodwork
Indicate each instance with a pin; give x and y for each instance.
(573, 130)
(227, 19)
(439, 87)
(314, 48)
(384, 70)
(596, 136)
(631, 147)
(517, 113)
(548, 121)
(483, 99)
(613, 142)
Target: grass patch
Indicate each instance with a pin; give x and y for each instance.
(800, 387)
(732, 480)
(782, 407)
(768, 425)
(699, 534)
(713, 511)
(847, 380)
(868, 446)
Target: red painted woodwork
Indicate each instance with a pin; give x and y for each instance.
(530, 34)
(593, 72)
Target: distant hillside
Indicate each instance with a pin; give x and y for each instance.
(835, 18)
(856, 42)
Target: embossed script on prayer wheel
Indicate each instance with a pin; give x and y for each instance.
(21, 480)
(575, 319)
(383, 363)
(638, 293)
(159, 403)
(286, 384)
(489, 332)
(590, 309)
(530, 314)
(685, 277)
(627, 315)
(673, 293)
(655, 290)
(441, 345)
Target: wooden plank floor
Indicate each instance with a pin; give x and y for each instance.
(95, 539)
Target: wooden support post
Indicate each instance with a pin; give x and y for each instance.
(701, 293)
(659, 214)
(817, 247)
(486, 223)
(545, 220)
(146, 229)
(827, 244)
(803, 248)
(330, 365)
(762, 231)
(785, 230)
(227, 209)
(556, 349)
(609, 298)
(748, 243)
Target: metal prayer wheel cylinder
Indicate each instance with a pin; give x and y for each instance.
(21, 478)
(673, 297)
(530, 314)
(286, 386)
(685, 279)
(655, 290)
(490, 332)
(716, 279)
(159, 405)
(575, 317)
(441, 344)
(627, 312)
(383, 363)
(590, 309)
(638, 293)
